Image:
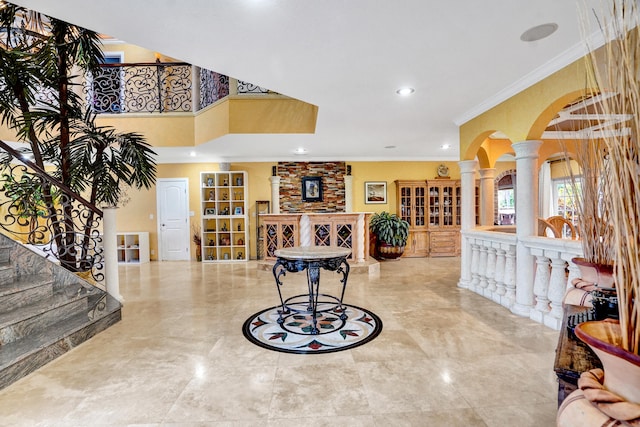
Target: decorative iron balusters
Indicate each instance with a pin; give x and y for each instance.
(133, 88)
(213, 86)
(246, 87)
(42, 212)
(156, 87)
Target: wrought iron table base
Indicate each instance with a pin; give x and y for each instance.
(311, 299)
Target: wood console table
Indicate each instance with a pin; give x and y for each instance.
(573, 357)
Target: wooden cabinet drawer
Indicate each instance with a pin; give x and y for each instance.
(444, 243)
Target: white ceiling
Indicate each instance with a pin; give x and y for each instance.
(348, 57)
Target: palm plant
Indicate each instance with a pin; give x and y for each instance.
(40, 58)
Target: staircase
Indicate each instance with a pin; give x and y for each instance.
(45, 311)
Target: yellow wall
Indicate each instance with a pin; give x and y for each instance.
(134, 53)
(166, 130)
(135, 216)
(525, 115)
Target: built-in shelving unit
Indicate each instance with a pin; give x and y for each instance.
(133, 247)
(225, 224)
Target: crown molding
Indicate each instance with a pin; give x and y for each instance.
(557, 63)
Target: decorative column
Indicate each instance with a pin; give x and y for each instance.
(361, 239)
(527, 214)
(487, 214)
(467, 217)
(195, 88)
(348, 193)
(275, 194)
(305, 230)
(110, 244)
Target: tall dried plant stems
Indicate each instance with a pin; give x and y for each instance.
(594, 213)
(620, 74)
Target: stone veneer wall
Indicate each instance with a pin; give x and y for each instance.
(291, 174)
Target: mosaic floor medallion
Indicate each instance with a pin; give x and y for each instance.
(293, 334)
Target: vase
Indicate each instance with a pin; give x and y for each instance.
(616, 395)
(598, 274)
(387, 251)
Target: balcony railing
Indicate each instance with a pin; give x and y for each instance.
(159, 87)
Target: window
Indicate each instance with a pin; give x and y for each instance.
(565, 199)
(106, 86)
(506, 206)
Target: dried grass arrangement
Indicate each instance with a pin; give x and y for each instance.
(594, 226)
(617, 71)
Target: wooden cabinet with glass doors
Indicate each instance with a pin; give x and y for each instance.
(444, 212)
(411, 206)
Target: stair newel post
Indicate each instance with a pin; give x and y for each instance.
(111, 253)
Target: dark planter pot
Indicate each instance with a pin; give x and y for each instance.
(604, 297)
(386, 251)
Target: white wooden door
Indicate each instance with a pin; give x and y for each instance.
(173, 219)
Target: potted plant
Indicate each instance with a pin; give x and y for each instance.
(391, 234)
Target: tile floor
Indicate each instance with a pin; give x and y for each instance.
(446, 357)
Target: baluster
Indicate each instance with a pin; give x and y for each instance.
(491, 271)
(482, 268)
(499, 276)
(540, 288)
(475, 258)
(557, 287)
(574, 273)
(509, 277)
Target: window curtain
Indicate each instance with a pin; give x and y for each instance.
(545, 195)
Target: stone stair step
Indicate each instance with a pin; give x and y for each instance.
(7, 273)
(24, 356)
(37, 316)
(26, 290)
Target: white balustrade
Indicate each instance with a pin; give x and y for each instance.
(493, 270)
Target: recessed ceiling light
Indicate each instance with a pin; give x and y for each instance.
(405, 91)
(539, 32)
(192, 153)
(389, 146)
(445, 146)
(300, 151)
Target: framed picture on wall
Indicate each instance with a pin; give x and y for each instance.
(312, 189)
(375, 192)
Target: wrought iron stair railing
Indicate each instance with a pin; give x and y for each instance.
(39, 210)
